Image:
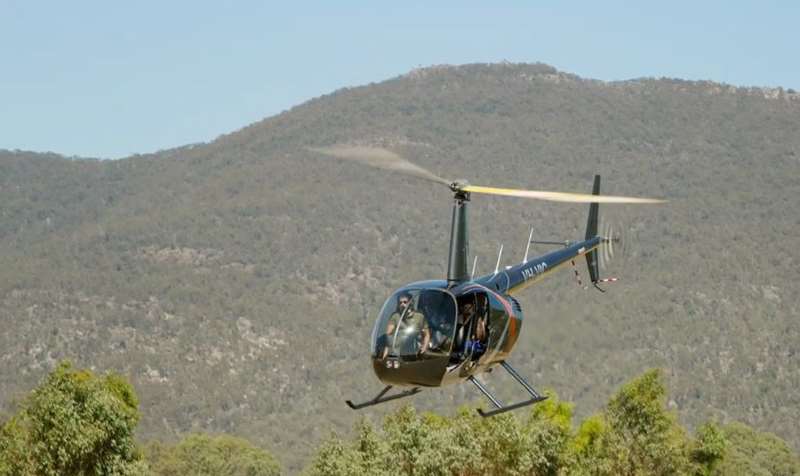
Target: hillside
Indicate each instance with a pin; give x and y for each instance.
(235, 282)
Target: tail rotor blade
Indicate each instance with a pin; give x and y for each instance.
(606, 247)
(611, 241)
(603, 257)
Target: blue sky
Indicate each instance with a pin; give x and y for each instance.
(109, 79)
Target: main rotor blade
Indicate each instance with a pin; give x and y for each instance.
(558, 196)
(380, 158)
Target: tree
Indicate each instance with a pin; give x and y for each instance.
(338, 458)
(409, 443)
(710, 447)
(634, 435)
(750, 452)
(74, 423)
(646, 436)
(201, 454)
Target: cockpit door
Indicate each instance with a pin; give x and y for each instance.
(413, 335)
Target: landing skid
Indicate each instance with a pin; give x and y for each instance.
(380, 398)
(499, 407)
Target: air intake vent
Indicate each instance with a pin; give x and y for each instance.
(515, 305)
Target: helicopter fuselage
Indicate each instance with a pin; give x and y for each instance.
(447, 333)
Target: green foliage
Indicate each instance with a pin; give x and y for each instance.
(336, 459)
(549, 428)
(637, 410)
(206, 455)
(76, 423)
(592, 447)
(420, 444)
(647, 438)
(73, 423)
(753, 453)
(635, 435)
(710, 447)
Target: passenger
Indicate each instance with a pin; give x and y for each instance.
(411, 324)
(480, 339)
(480, 327)
(473, 341)
(467, 311)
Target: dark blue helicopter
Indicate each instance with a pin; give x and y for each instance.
(442, 332)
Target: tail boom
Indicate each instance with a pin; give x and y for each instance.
(518, 277)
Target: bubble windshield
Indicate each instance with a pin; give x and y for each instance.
(415, 323)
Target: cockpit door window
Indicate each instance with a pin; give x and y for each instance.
(415, 323)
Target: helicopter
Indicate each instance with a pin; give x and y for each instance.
(442, 332)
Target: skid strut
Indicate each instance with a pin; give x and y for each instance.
(499, 407)
(380, 398)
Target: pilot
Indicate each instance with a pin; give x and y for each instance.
(412, 323)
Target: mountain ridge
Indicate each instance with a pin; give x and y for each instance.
(541, 70)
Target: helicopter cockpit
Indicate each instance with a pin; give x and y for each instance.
(416, 328)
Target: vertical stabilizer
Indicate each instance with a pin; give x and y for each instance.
(591, 232)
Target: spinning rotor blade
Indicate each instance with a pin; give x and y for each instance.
(557, 196)
(380, 158)
(605, 248)
(616, 248)
(611, 238)
(385, 159)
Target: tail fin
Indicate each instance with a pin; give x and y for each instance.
(591, 232)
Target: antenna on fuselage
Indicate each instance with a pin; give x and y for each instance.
(499, 255)
(528, 247)
(474, 266)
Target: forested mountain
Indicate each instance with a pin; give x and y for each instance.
(235, 282)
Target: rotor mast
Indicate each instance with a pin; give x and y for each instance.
(459, 238)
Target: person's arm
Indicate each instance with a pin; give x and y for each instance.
(426, 339)
(480, 329)
(392, 323)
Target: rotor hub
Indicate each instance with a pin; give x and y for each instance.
(458, 190)
(458, 186)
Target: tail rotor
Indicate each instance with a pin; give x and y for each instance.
(612, 244)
